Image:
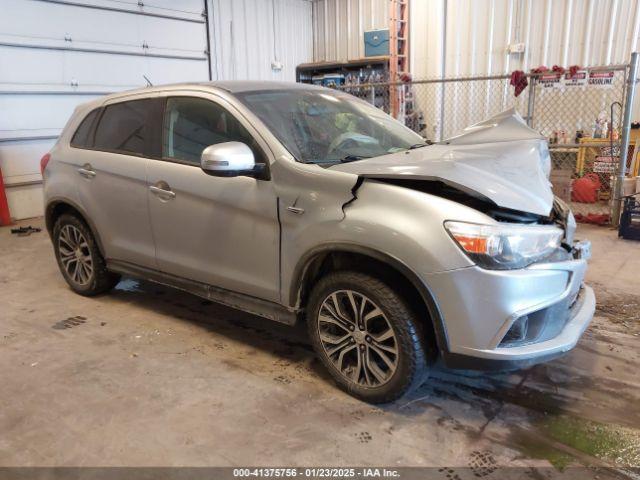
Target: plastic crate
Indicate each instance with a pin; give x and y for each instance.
(630, 219)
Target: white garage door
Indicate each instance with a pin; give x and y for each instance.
(55, 54)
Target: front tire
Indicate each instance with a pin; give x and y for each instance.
(79, 257)
(367, 336)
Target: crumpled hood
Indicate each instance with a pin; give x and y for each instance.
(500, 158)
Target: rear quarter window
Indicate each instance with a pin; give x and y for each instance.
(83, 137)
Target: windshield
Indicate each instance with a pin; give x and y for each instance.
(328, 127)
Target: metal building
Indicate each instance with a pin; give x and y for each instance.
(56, 54)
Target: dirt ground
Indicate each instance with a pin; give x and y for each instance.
(149, 376)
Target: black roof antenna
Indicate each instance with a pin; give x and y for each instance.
(149, 84)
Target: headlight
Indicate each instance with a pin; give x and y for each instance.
(505, 246)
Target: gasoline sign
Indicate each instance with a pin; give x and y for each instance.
(601, 79)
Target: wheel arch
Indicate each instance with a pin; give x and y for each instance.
(334, 256)
(57, 207)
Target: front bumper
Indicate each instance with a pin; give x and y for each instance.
(521, 357)
(478, 308)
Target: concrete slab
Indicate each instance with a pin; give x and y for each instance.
(152, 376)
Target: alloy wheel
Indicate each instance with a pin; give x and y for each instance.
(75, 255)
(358, 338)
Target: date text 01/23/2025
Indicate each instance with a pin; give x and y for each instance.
(316, 472)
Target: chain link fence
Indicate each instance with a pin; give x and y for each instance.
(580, 115)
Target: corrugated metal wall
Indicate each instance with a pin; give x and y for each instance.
(478, 32)
(554, 32)
(338, 27)
(248, 35)
(472, 37)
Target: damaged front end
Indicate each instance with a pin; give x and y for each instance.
(563, 217)
(499, 167)
(507, 276)
(560, 215)
(501, 159)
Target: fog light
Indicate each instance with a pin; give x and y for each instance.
(518, 331)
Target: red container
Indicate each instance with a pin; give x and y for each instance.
(585, 189)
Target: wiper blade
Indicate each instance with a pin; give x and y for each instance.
(329, 162)
(420, 145)
(352, 158)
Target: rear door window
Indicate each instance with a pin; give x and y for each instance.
(128, 127)
(83, 138)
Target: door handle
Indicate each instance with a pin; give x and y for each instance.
(296, 210)
(87, 171)
(164, 193)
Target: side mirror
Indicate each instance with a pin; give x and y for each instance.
(229, 159)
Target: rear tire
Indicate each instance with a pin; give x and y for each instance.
(79, 257)
(367, 336)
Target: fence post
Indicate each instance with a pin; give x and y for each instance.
(531, 100)
(626, 130)
(441, 130)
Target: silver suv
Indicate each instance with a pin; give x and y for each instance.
(296, 202)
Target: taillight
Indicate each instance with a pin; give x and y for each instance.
(43, 162)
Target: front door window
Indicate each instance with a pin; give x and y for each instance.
(192, 124)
